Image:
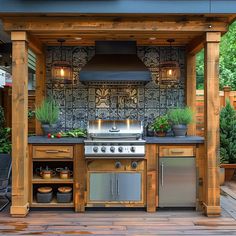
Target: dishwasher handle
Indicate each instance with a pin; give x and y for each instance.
(162, 173)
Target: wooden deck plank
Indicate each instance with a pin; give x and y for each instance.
(67, 222)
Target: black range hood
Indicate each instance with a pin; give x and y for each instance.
(115, 62)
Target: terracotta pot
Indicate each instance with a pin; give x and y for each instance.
(160, 134)
(64, 173)
(229, 170)
(222, 176)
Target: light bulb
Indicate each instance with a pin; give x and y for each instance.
(170, 72)
(62, 72)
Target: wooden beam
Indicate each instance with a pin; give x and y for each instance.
(191, 89)
(195, 45)
(40, 87)
(211, 123)
(20, 157)
(151, 154)
(34, 44)
(103, 24)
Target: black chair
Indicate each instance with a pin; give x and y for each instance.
(5, 176)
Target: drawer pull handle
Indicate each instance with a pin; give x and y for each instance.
(52, 151)
(177, 151)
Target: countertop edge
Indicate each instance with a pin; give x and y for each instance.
(149, 140)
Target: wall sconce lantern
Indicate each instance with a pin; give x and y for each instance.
(169, 69)
(62, 69)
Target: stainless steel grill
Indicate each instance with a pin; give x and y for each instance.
(115, 138)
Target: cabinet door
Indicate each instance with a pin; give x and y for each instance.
(128, 187)
(101, 187)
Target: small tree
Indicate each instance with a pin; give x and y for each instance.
(228, 134)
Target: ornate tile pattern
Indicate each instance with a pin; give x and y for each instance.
(79, 103)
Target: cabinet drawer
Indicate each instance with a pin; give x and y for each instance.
(170, 151)
(52, 152)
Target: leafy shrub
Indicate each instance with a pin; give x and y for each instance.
(48, 112)
(228, 134)
(5, 142)
(180, 116)
(161, 124)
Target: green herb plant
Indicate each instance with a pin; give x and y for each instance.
(228, 134)
(180, 116)
(5, 141)
(161, 124)
(48, 112)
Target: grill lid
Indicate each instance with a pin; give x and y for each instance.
(108, 129)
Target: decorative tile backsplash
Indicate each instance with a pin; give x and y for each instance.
(80, 103)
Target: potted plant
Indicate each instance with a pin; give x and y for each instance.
(48, 114)
(5, 141)
(228, 140)
(179, 119)
(161, 126)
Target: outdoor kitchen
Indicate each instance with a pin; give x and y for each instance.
(115, 100)
(115, 95)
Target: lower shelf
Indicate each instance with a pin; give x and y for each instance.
(53, 203)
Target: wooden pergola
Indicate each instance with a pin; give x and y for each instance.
(192, 31)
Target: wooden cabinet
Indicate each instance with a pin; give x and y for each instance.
(173, 151)
(109, 186)
(51, 157)
(55, 152)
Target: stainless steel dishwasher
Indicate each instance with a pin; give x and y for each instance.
(177, 181)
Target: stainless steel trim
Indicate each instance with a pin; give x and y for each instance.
(118, 188)
(162, 174)
(111, 180)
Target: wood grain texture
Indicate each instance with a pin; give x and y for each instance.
(40, 87)
(191, 89)
(67, 222)
(80, 171)
(151, 155)
(20, 159)
(52, 151)
(172, 151)
(211, 121)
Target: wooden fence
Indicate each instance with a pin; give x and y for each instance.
(224, 95)
(5, 101)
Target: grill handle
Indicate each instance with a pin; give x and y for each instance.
(114, 130)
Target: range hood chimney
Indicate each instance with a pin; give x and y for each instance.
(115, 62)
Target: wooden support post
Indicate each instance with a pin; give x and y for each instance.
(191, 89)
(211, 124)
(151, 153)
(227, 90)
(20, 157)
(40, 87)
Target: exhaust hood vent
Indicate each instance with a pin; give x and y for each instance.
(115, 63)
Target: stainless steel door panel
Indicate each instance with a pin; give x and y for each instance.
(177, 182)
(129, 187)
(102, 187)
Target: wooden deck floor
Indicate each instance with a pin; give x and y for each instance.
(122, 222)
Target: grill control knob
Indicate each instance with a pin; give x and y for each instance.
(103, 149)
(95, 149)
(117, 164)
(120, 149)
(132, 149)
(112, 149)
(134, 164)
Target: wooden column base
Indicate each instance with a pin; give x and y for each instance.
(211, 211)
(19, 211)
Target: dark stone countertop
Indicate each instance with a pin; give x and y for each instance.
(175, 140)
(46, 140)
(161, 140)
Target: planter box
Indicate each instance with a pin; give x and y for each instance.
(229, 170)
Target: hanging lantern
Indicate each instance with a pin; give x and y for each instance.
(169, 70)
(61, 69)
